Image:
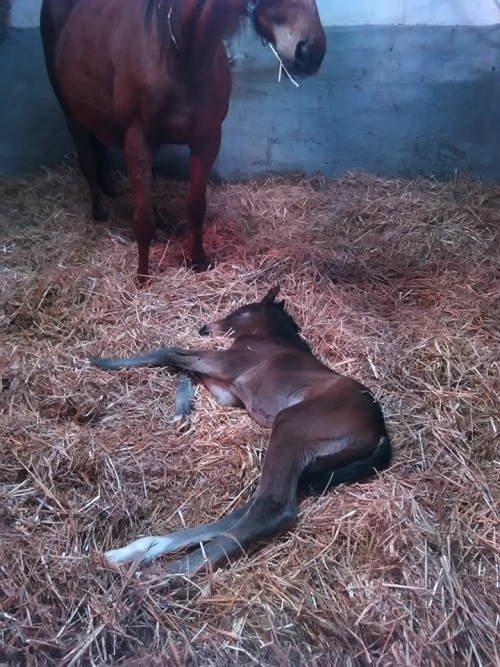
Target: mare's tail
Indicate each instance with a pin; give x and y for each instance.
(378, 460)
(155, 358)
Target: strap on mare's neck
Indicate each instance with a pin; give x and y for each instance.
(252, 12)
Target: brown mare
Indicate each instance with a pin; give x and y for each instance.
(136, 74)
(325, 428)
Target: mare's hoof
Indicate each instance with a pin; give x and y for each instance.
(109, 190)
(142, 280)
(201, 265)
(100, 213)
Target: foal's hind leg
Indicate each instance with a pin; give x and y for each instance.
(203, 154)
(310, 436)
(88, 166)
(146, 548)
(272, 508)
(139, 157)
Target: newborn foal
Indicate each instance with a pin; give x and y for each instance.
(325, 428)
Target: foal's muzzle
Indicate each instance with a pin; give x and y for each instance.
(204, 331)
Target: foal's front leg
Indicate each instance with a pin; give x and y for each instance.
(215, 364)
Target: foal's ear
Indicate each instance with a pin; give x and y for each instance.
(272, 294)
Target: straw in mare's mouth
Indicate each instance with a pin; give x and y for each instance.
(282, 67)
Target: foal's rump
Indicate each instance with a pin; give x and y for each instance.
(354, 471)
(335, 437)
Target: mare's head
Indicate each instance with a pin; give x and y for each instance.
(264, 318)
(294, 28)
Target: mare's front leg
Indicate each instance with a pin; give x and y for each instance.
(203, 154)
(139, 156)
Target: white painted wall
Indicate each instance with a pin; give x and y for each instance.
(25, 13)
(409, 12)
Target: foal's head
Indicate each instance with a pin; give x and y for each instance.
(294, 28)
(264, 318)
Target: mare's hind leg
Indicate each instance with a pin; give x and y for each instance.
(203, 154)
(139, 156)
(88, 166)
(104, 176)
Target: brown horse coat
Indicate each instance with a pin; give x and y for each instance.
(325, 428)
(136, 74)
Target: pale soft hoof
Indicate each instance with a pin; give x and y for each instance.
(139, 550)
(181, 424)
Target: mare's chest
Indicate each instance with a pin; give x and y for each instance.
(185, 102)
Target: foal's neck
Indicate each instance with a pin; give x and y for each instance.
(282, 329)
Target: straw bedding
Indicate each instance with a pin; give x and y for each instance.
(394, 282)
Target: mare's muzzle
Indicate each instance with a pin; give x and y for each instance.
(309, 56)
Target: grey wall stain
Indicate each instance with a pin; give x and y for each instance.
(395, 100)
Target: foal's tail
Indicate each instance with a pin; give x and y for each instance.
(378, 460)
(155, 358)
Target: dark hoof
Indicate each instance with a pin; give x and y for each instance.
(161, 223)
(201, 266)
(100, 213)
(109, 191)
(142, 280)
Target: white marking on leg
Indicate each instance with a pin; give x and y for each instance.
(143, 549)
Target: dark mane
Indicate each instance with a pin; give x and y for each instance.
(168, 29)
(300, 340)
(172, 34)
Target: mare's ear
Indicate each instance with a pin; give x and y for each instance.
(272, 294)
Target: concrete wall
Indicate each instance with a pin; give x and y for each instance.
(408, 87)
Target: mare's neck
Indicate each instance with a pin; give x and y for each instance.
(205, 23)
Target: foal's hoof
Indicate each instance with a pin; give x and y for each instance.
(181, 424)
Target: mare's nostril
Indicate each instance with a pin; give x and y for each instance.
(309, 55)
(301, 54)
(204, 331)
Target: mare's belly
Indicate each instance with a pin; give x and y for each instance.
(107, 88)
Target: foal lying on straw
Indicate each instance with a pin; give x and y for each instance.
(325, 428)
